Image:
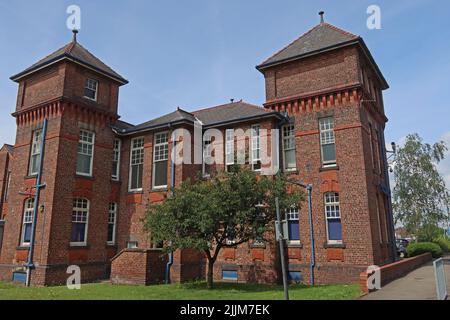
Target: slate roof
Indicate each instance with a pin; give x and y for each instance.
(321, 37)
(73, 51)
(230, 112)
(8, 148)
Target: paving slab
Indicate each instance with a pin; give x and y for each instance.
(419, 284)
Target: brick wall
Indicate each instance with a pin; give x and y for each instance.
(138, 267)
(392, 271)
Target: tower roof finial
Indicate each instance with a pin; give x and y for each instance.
(75, 32)
(321, 14)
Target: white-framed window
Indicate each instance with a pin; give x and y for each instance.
(229, 149)
(290, 162)
(116, 160)
(380, 233)
(256, 147)
(91, 89)
(8, 183)
(160, 160)
(292, 217)
(327, 141)
(80, 215)
(136, 164)
(207, 154)
(112, 223)
(132, 245)
(27, 223)
(333, 217)
(35, 154)
(85, 157)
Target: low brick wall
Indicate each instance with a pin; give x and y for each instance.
(396, 270)
(138, 266)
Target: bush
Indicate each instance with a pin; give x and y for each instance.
(418, 248)
(443, 242)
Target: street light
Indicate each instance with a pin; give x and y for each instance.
(309, 188)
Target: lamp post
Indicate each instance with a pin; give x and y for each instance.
(309, 188)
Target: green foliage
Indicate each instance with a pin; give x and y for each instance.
(420, 195)
(204, 214)
(443, 242)
(418, 248)
(428, 232)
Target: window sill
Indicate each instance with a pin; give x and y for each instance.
(328, 245)
(73, 245)
(328, 168)
(82, 176)
(291, 171)
(90, 99)
(294, 244)
(111, 245)
(23, 247)
(137, 191)
(31, 176)
(160, 189)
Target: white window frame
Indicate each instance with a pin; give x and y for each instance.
(116, 158)
(112, 220)
(380, 232)
(229, 148)
(207, 154)
(337, 214)
(293, 148)
(130, 174)
(293, 214)
(155, 145)
(77, 210)
(35, 152)
(91, 84)
(255, 145)
(28, 215)
(8, 183)
(327, 137)
(83, 142)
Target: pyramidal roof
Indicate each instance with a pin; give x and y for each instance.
(77, 53)
(321, 37)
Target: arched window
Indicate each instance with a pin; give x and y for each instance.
(27, 223)
(80, 214)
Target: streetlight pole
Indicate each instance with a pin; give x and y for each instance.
(281, 244)
(312, 264)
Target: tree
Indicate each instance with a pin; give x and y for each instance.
(420, 194)
(203, 215)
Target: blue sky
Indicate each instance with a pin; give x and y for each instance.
(201, 53)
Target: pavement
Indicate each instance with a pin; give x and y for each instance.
(419, 284)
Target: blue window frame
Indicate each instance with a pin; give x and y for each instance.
(229, 275)
(293, 224)
(333, 216)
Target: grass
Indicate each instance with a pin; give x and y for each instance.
(186, 291)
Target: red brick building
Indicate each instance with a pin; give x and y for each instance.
(324, 91)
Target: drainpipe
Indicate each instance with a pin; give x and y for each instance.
(311, 232)
(39, 185)
(172, 188)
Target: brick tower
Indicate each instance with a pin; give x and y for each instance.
(78, 94)
(331, 87)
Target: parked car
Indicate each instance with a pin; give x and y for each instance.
(401, 245)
